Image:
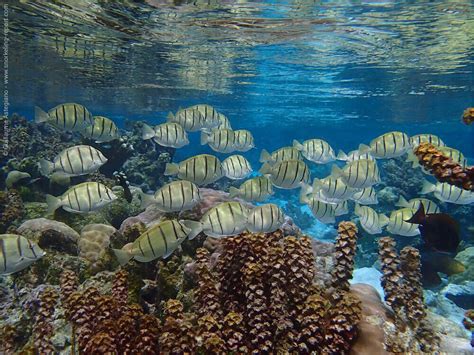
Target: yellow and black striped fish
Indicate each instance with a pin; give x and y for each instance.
(287, 174)
(224, 122)
(371, 221)
(243, 140)
(414, 203)
(74, 161)
(201, 169)
(332, 190)
(265, 218)
(367, 196)
(236, 167)
(225, 219)
(353, 155)
(175, 196)
(430, 138)
(220, 140)
(448, 193)
(190, 119)
(341, 208)
(358, 174)
(159, 241)
(323, 211)
(210, 114)
(82, 198)
(257, 189)
(455, 155)
(17, 253)
(398, 223)
(70, 117)
(388, 145)
(102, 130)
(167, 134)
(284, 153)
(316, 150)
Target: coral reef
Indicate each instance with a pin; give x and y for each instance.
(444, 168)
(468, 115)
(43, 329)
(344, 255)
(401, 177)
(94, 244)
(11, 210)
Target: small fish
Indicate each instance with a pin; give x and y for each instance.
(454, 154)
(366, 196)
(316, 150)
(397, 223)
(353, 155)
(102, 130)
(210, 115)
(175, 196)
(225, 219)
(190, 119)
(282, 154)
(324, 212)
(220, 140)
(243, 140)
(236, 167)
(69, 116)
(430, 138)
(332, 190)
(341, 208)
(82, 198)
(161, 240)
(265, 218)
(74, 161)
(388, 145)
(201, 169)
(440, 231)
(17, 253)
(122, 181)
(287, 174)
(224, 122)
(448, 193)
(257, 189)
(14, 177)
(358, 174)
(371, 221)
(167, 134)
(430, 206)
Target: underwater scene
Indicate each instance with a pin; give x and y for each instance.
(237, 177)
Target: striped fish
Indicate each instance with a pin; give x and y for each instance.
(190, 119)
(324, 212)
(160, 241)
(371, 221)
(17, 253)
(224, 122)
(102, 130)
(236, 167)
(430, 138)
(167, 134)
(341, 208)
(316, 150)
(354, 155)
(366, 196)
(287, 174)
(201, 169)
(332, 190)
(220, 140)
(388, 145)
(210, 114)
(265, 218)
(175, 196)
(414, 203)
(358, 174)
(397, 223)
(257, 189)
(243, 140)
(448, 193)
(74, 161)
(225, 219)
(454, 154)
(282, 154)
(70, 117)
(82, 198)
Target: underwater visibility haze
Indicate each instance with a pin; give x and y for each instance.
(237, 177)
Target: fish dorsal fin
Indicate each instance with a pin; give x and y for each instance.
(402, 202)
(419, 216)
(363, 148)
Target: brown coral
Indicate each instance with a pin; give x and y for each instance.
(43, 329)
(444, 168)
(11, 209)
(344, 256)
(177, 335)
(468, 115)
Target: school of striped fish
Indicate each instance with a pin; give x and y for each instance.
(288, 167)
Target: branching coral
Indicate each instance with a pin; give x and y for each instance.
(43, 329)
(444, 168)
(11, 209)
(344, 255)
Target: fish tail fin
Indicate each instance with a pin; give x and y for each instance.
(123, 256)
(427, 187)
(341, 156)
(316, 184)
(40, 115)
(204, 137)
(265, 156)
(363, 148)
(146, 200)
(305, 189)
(195, 226)
(383, 220)
(413, 159)
(53, 203)
(356, 208)
(402, 202)
(171, 169)
(336, 171)
(170, 116)
(147, 132)
(265, 169)
(45, 167)
(419, 216)
(297, 145)
(234, 192)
